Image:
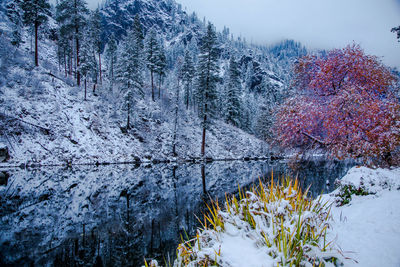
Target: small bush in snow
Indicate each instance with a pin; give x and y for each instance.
(346, 191)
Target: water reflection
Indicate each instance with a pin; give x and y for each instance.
(117, 215)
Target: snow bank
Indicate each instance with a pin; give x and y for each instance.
(367, 230)
(373, 181)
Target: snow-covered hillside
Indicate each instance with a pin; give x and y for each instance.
(44, 119)
(78, 131)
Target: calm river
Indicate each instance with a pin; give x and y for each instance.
(118, 214)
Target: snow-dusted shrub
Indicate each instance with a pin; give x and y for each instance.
(75, 91)
(36, 86)
(347, 190)
(277, 221)
(22, 90)
(17, 77)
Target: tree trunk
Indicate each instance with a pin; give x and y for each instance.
(112, 68)
(31, 32)
(152, 85)
(127, 210)
(70, 59)
(83, 235)
(128, 119)
(101, 80)
(203, 140)
(159, 88)
(36, 45)
(85, 88)
(203, 143)
(203, 178)
(314, 138)
(187, 95)
(176, 121)
(152, 236)
(65, 64)
(78, 75)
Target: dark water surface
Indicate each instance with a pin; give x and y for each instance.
(117, 215)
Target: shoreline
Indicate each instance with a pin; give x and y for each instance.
(140, 162)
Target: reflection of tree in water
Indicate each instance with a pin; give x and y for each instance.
(125, 213)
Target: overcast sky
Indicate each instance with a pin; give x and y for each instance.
(315, 23)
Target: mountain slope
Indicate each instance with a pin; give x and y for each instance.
(90, 131)
(44, 119)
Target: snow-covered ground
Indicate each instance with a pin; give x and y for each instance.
(364, 232)
(368, 228)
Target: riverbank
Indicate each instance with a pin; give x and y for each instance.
(365, 231)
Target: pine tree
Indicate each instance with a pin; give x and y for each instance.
(35, 12)
(161, 66)
(249, 110)
(130, 66)
(233, 91)
(249, 76)
(179, 77)
(111, 56)
(65, 36)
(152, 50)
(187, 75)
(138, 35)
(207, 79)
(95, 32)
(71, 16)
(14, 13)
(265, 116)
(88, 66)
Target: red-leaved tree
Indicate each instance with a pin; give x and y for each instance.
(345, 103)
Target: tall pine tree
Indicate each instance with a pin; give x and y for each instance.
(65, 37)
(207, 80)
(233, 91)
(161, 66)
(111, 57)
(130, 66)
(88, 66)
(95, 32)
(35, 13)
(187, 75)
(71, 16)
(152, 50)
(14, 13)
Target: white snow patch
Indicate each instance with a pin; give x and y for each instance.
(243, 251)
(367, 230)
(373, 180)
